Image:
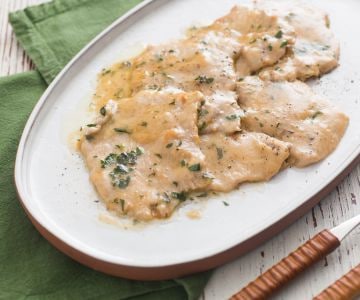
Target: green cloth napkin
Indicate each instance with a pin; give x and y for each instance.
(29, 266)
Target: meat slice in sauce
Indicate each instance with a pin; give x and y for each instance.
(315, 52)
(263, 38)
(187, 64)
(261, 50)
(220, 112)
(144, 156)
(291, 112)
(190, 65)
(242, 157)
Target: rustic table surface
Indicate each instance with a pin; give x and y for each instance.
(340, 205)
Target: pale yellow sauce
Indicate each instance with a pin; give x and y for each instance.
(194, 116)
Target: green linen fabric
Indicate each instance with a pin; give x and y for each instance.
(52, 33)
(30, 268)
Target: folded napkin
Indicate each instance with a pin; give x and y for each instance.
(29, 266)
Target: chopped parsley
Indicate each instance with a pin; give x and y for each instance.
(109, 160)
(219, 152)
(252, 41)
(183, 162)
(202, 112)
(318, 113)
(270, 47)
(203, 79)
(284, 44)
(158, 155)
(122, 130)
(194, 168)
(279, 34)
(105, 71)
(169, 145)
(144, 124)
(202, 126)
(232, 117)
(122, 202)
(122, 163)
(225, 203)
(121, 169)
(103, 111)
(179, 196)
(139, 151)
(121, 183)
(91, 125)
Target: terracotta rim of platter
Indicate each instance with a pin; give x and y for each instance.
(163, 271)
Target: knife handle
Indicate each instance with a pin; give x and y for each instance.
(280, 274)
(347, 287)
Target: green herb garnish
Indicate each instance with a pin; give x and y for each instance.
(318, 113)
(203, 79)
(219, 152)
(279, 34)
(284, 44)
(108, 160)
(103, 111)
(202, 112)
(121, 183)
(232, 117)
(122, 202)
(194, 168)
(179, 196)
(139, 151)
(122, 130)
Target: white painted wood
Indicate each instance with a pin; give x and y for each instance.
(342, 204)
(12, 57)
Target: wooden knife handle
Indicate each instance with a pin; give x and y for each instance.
(347, 287)
(269, 282)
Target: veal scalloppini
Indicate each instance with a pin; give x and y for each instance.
(291, 112)
(217, 108)
(143, 153)
(315, 52)
(242, 157)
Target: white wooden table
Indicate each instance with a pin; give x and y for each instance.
(340, 205)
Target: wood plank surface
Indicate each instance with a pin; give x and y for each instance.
(340, 205)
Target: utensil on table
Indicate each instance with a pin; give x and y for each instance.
(288, 268)
(345, 288)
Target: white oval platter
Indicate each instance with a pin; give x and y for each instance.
(55, 190)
